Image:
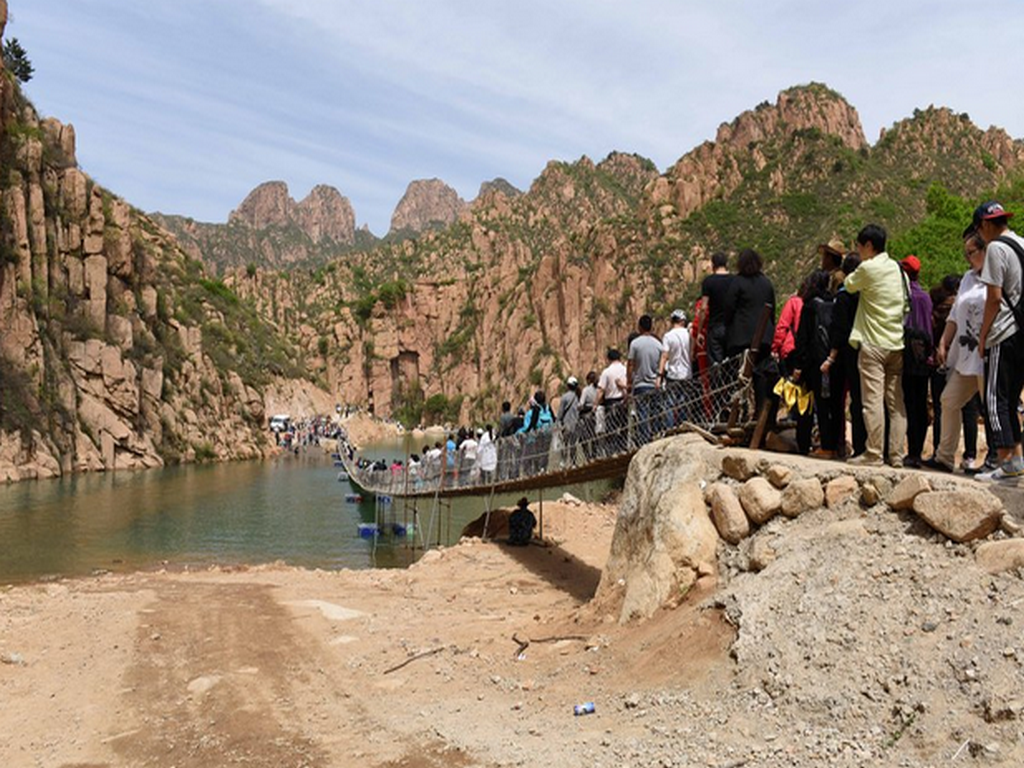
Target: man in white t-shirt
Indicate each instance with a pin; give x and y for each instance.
(676, 346)
(611, 395)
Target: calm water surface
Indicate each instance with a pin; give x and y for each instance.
(292, 509)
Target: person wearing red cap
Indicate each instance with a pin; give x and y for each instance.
(1001, 339)
(917, 367)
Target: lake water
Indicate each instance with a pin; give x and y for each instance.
(291, 508)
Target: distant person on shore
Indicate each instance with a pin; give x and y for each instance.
(521, 524)
(878, 334)
(715, 288)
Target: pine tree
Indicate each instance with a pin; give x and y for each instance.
(16, 60)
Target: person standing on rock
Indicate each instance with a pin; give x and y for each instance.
(841, 363)
(715, 288)
(642, 376)
(878, 334)
(917, 365)
(1001, 340)
(958, 349)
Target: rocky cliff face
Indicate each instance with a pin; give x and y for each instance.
(426, 203)
(116, 351)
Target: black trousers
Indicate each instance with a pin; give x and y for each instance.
(1004, 377)
(915, 398)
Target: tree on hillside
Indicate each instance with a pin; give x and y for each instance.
(16, 60)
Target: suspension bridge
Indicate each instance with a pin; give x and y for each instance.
(600, 445)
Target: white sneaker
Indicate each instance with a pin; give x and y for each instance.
(1004, 471)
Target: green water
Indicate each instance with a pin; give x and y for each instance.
(291, 509)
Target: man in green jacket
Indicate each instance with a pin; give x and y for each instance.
(878, 333)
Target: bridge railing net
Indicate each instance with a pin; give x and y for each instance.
(610, 430)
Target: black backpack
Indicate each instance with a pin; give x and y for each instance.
(821, 346)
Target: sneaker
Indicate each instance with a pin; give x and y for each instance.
(937, 465)
(864, 461)
(911, 462)
(1002, 472)
(896, 463)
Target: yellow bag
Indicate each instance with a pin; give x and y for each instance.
(793, 394)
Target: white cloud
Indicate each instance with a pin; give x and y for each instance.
(185, 106)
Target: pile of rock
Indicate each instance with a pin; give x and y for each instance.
(684, 498)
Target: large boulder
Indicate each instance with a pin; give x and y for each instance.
(961, 515)
(727, 513)
(664, 538)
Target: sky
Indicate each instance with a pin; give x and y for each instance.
(184, 106)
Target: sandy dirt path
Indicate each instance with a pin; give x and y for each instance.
(275, 666)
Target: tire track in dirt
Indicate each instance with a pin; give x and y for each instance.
(214, 681)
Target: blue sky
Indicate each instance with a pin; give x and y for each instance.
(184, 106)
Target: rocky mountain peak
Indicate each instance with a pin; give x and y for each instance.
(323, 213)
(269, 205)
(499, 185)
(801, 108)
(426, 203)
(326, 213)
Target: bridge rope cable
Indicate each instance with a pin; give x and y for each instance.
(599, 440)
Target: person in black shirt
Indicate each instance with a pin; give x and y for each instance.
(716, 287)
(842, 360)
(750, 295)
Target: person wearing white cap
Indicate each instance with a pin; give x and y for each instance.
(675, 368)
(568, 418)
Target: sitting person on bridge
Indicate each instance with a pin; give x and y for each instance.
(521, 524)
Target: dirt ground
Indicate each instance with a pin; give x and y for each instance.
(866, 641)
(275, 666)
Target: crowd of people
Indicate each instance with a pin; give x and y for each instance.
(861, 358)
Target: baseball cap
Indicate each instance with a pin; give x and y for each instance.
(678, 314)
(990, 210)
(912, 263)
(572, 381)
